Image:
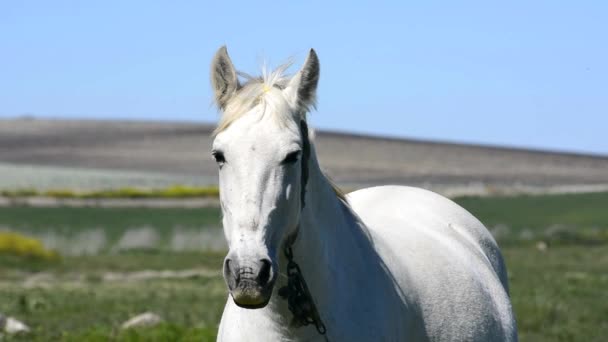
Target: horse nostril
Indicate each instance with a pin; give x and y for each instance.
(265, 271)
(227, 266)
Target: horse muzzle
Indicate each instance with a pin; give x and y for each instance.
(250, 282)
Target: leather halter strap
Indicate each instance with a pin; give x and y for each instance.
(299, 298)
(291, 238)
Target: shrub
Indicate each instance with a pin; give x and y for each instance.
(19, 193)
(184, 191)
(60, 193)
(24, 246)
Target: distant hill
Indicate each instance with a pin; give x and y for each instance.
(179, 152)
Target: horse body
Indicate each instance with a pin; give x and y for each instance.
(382, 264)
(444, 260)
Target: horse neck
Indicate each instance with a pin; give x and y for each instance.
(332, 243)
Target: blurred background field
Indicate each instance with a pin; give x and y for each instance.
(87, 155)
(103, 220)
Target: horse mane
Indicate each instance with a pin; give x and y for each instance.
(339, 193)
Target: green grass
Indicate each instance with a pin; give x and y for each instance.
(119, 262)
(72, 302)
(74, 219)
(572, 218)
(68, 222)
(94, 311)
(162, 333)
(555, 219)
(538, 212)
(558, 295)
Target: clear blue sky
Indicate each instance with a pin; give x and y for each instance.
(517, 73)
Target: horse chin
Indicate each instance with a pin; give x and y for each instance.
(252, 305)
(251, 298)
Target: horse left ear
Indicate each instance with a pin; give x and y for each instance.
(224, 78)
(302, 88)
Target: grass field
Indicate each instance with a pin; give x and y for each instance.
(559, 294)
(558, 219)
(78, 231)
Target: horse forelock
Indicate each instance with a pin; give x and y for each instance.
(263, 90)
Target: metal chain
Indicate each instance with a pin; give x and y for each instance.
(299, 299)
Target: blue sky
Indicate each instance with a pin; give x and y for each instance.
(517, 73)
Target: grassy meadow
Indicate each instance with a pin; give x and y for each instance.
(555, 246)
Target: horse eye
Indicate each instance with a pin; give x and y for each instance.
(291, 158)
(219, 157)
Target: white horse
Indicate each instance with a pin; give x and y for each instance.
(306, 263)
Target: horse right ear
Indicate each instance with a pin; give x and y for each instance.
(302, 88)
(223, 77)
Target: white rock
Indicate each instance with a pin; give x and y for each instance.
(147, 319)
(541, 246)
(12, 326)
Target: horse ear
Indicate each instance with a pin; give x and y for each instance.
(223, 77)
(302, 88)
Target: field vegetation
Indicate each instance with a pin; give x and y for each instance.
(556, 249)
(175, 191)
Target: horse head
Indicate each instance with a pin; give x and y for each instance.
(261, 147)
